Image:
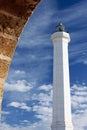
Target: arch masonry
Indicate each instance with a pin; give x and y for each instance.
(13, 16)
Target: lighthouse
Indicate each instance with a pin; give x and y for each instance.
(61, 115)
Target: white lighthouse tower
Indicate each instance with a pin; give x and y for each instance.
(61, 118)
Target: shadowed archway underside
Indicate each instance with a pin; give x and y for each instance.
(13, 16)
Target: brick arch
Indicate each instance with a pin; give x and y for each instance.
(13, 16)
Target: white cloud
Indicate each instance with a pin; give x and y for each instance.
(45, 87)
(80, 120)
(43, 113)
(78, 52)
(78, 49)
(35, 126)
(19, 72)
(20, 86)
(19, 105)
(79, 105)
(16, 74)
(5, 112)
(43, 110)
(43, 98)
(71, 17)
(79, 97)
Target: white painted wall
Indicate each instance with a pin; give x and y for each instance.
(61, 85)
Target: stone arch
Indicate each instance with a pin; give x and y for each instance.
(13, 16)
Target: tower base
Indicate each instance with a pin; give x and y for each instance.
(62, 126)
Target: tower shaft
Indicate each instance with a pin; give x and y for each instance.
(61, 86)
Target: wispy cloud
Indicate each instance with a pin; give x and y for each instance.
(20, 86)
(79, 106)
(19, 105)
(80, 121)
(5, 112)
(43, 108)
(35, 126)
(31, 69)
(45, 87)
(79, 100)
(76, 23)
(78, 53)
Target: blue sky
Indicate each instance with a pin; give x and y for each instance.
(27, 101)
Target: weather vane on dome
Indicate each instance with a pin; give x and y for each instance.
(60, 28)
